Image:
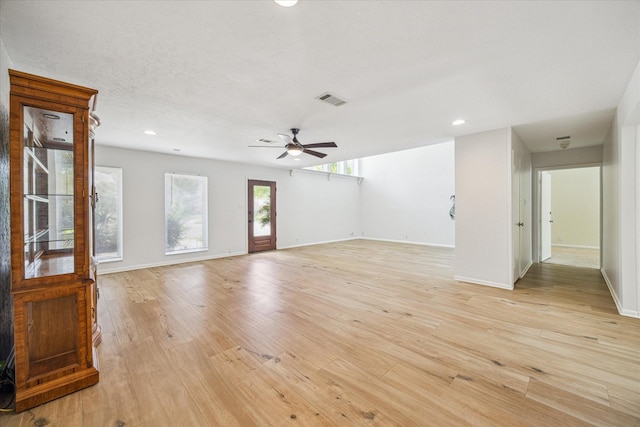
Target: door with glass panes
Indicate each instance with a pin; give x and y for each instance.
(262, 215)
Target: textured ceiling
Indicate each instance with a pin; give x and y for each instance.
(212, 77)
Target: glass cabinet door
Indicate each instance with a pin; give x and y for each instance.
(49, 178)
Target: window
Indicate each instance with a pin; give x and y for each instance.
(185, 213)
(347, 167)
(108, 213)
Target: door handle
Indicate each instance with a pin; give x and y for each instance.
(520, 224)
(551, 220)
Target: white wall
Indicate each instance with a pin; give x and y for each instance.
(483, 208)
(575, 156)
(406, 195)
(620, 203)
(575, 203)
(310, 208)
(610, 209)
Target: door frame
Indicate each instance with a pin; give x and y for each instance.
(537, 208)
(545, 221)
(264, 244)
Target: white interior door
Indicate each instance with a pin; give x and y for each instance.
(545, 216)
(516, 215)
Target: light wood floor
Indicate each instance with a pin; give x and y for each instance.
(354, 333)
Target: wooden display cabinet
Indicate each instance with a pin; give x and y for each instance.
(53, 279)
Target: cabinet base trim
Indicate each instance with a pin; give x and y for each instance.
(42, 393)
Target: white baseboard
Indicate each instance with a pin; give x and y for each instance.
(483, 282)
(166, 263)
(437, 245)
(524, 271)
(621, 311)
(318, 243)
(103, 270)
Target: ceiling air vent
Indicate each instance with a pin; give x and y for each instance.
(331, 99)
(564, 141)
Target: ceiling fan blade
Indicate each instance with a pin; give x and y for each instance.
(284, 137)
(314, 153)
(321, 144)
(266, 146)
(282, 155)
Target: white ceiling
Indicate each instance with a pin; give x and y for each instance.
(212, 77)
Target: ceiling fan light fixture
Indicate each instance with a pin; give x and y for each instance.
(286, 3)
(294, 150)
(457, 122)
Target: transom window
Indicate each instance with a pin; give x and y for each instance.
(346, 167)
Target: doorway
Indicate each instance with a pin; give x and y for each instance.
(569, 216)
(262, 215)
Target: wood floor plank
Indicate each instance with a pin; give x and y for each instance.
(354, 333)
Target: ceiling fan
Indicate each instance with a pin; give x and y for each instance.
(293, 147)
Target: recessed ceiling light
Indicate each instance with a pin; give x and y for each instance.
(458, 122)
(176, 149)
(286, 3)
(296, 159)
(51, 116)
(149, 132)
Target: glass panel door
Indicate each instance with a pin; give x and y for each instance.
(262, 208)
(262, 226)
(49, 219)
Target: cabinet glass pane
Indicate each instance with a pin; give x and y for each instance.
(49, 233)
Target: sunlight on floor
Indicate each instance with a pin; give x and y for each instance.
(577, 257)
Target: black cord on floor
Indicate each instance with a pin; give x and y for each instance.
(7, 382)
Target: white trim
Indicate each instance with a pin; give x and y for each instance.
(483, 282)
(232, 254)
(318, 243)
(526, 269)
(410, 242)
(166, 263)
(621, 311)
(562, 245)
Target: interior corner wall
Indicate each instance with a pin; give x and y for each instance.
(406, 196)
(311, 208)
(483, 208)
(610, 209)
(620, 169)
